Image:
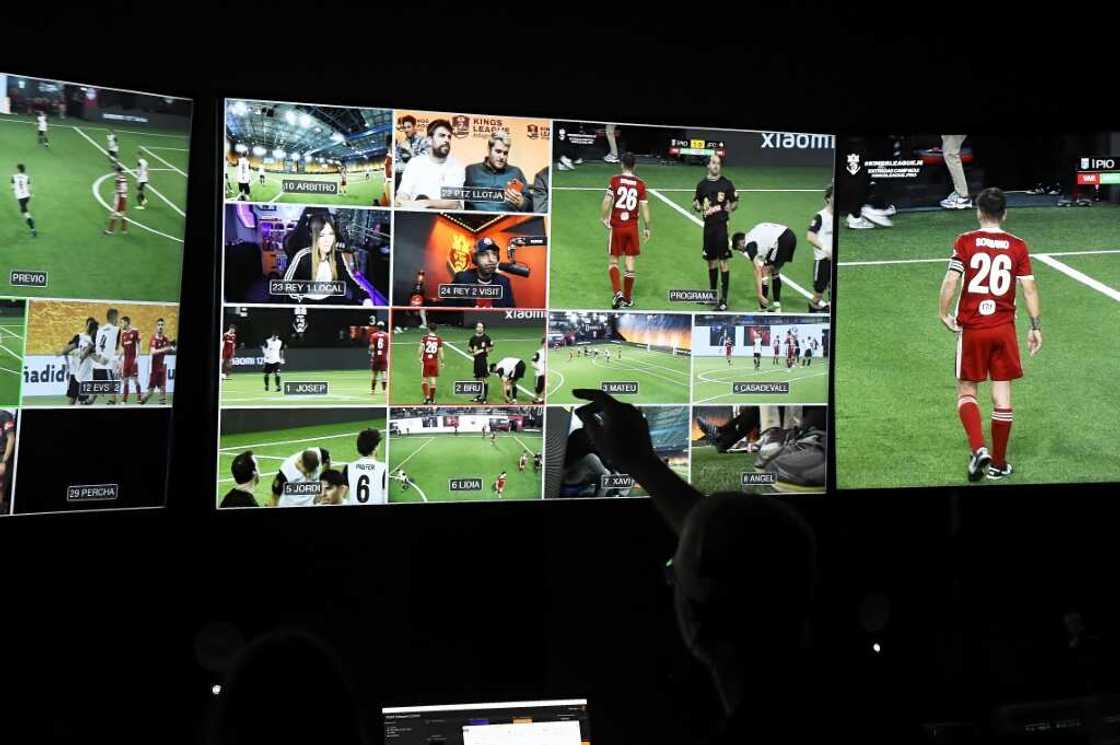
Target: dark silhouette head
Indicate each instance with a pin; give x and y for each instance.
(286, 687)
(743, 578)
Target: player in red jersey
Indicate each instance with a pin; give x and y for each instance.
(159, 346)
(990, 260)
(500, 484)
(120, 201)
(431, 357)
(229, 344)
(777, 350)
(728, 345)
(625, 194)
(130, 344)
(791, 350)
(379, 357)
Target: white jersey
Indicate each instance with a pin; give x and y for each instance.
(260, 172)
(822, 226)
(507, 367)
(272, 349)
(42, 122)
(758, 344)
(113, 143)
(81, 366)
(424, 177)
(105, 351)
(765, 235)
(21, 185)
(142, 171)
(296, 476)
(243, 171)
(367, 480)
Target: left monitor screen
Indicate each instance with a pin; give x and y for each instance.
(91, 256)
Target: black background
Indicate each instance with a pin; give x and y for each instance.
(445, 603)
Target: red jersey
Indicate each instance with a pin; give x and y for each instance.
(378, 345)
(991, 261)
(627, 191)
(431, 343)
(130, 343)
(159, 346)
(229, 343)
(500, 483)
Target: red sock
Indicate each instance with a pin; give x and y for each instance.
(970, 418)
(1001, 432)
(628, 284)
(616, 286)
(425, 387)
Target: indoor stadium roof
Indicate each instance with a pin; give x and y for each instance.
(330, 132)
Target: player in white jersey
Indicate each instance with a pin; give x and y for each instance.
(303, 467)
(768, 246)
(538, 361)
(367, 477)
(106, 360)
(78, 354)
(41, 128)
(820, 236)
(21, 188)
(260, 173)
(757, 350)
(510, 370)
(113, 147)
(243, 176)
(141, 183)
(273, 349)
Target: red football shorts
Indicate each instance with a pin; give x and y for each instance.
(121, 204)
(727, 351)
(379, 365)
(624, 242)
(988, 353)
(431, 368)
(128, 368)
(157, 378)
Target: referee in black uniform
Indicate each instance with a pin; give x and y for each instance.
(716, 199)
(480, 346)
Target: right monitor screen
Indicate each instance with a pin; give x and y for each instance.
(976, 333)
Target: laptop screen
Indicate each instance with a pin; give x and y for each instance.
(557, 722)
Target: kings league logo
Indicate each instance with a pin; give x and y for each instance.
(460, 125)
(533, 131)
(299, 323)
(853, 163)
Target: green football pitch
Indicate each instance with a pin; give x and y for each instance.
(11, 359)
(71, 195)
(713, 379)
(672, 257)
(344, 388)
(714, 471)
(404, 383)
(896, 403)
(432, 460)
(273, 448)
(359, 191)
(101, 402)
(662, 377)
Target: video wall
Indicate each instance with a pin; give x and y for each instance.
(410, 298)
(91, 254)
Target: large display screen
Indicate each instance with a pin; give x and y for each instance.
(411, 297)
(979, 277)
(91, 253)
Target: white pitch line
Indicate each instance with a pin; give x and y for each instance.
(9, 370)
(657, 193)
(791, 380)
(103, 203)
(287, 442)
(882, 262)
(415, 452)
(1081, 277)
(749, 191)
(164, 147)
(17, 356)
(59, 125)
(558, 386)
(161, 160)
(130, 172)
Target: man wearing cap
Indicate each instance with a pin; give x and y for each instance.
(485, 272)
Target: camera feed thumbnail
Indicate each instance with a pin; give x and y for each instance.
(285, 254)
(462, 260)
(12, 332)
(581, 471)
(99, 184)
(446, 161)
(301, 458)
(304, 357)
(671, 209)
(637, 357)
(759, 449)
(301, 153)
(8, 428)
(1014, 239)
(465, 453)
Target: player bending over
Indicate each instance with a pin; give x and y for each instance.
(768, 246)
(431, 358)
(625, 194)
(820, 238)
(301, 468)
(21, 188)
(990, 260)
(510, 370)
